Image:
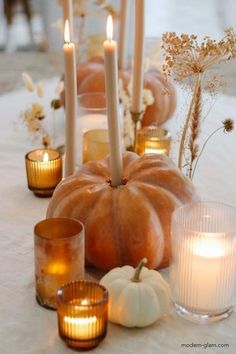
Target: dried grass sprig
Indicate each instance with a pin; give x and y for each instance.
(195, 128)
(187, 122)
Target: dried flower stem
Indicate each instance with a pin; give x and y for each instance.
(186, 125)
(194, 127)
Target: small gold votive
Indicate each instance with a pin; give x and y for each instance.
(95, 145)
(82, 310)
(153, 140)
(59, 257)
(44, 171)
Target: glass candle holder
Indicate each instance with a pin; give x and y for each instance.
(82, 310)
(96, 144)
(91, 115)
(59, 257)
(153, 140)
(203, 268)
(44, 171)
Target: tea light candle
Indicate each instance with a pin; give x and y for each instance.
(82, 313)
(44, 171)
(153, 140)
(59, 256)
(203, 268)
(95, 145)
(82, 321)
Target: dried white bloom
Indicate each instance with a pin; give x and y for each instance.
(37, 111)
(28, 82)
(40, 89)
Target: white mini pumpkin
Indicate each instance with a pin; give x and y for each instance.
(136, 300)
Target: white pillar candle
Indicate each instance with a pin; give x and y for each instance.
(71, 101)
(138, 56)
(124, 11)
(68, 15)
(204, 272)
(112, 98)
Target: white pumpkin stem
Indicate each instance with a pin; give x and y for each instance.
(136, 277)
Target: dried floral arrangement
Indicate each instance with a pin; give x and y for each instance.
(125, 94)
(34, 117)
(186, 59)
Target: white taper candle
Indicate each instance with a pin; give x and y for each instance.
(124, 15)
(112, 99)
(71, 101)
(138, 56)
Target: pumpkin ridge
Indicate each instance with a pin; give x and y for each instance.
(64, 203)
(90, 226)
(158, 239)
(164, 198)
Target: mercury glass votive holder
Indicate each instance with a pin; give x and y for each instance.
(203, 267)
(44, 171)
(95, 144)
(153, 140)
(59, 257)
(82, 310)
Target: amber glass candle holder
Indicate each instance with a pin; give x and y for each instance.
(44, 171)
(95, 144)
(82, 310)
(153, 140)
(59, 257)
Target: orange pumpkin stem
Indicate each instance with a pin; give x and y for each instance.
(136, 277)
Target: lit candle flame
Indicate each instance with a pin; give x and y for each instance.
(45, 157)
(84, 302)
(109, 28)
(67, 32)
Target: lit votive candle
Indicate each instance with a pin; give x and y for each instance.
(82, 314)
(153, 140)
(59, 257)
(44, 171)
(95, 145)
(204, 259)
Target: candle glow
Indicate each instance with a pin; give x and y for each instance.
(109, 28)
(45, 157)
(67, 32)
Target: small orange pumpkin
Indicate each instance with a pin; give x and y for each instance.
(124, 224)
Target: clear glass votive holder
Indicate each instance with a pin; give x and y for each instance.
(203, 267)
(82, 310)
(95, 145)
(92, 114)
(44, 171)
(59, 257)
(153, 140)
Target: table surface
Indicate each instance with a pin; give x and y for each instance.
(25, 327)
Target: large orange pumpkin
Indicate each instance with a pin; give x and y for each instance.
(132, 221)
(90, 78)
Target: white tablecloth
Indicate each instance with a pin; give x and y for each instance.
(25, 327)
